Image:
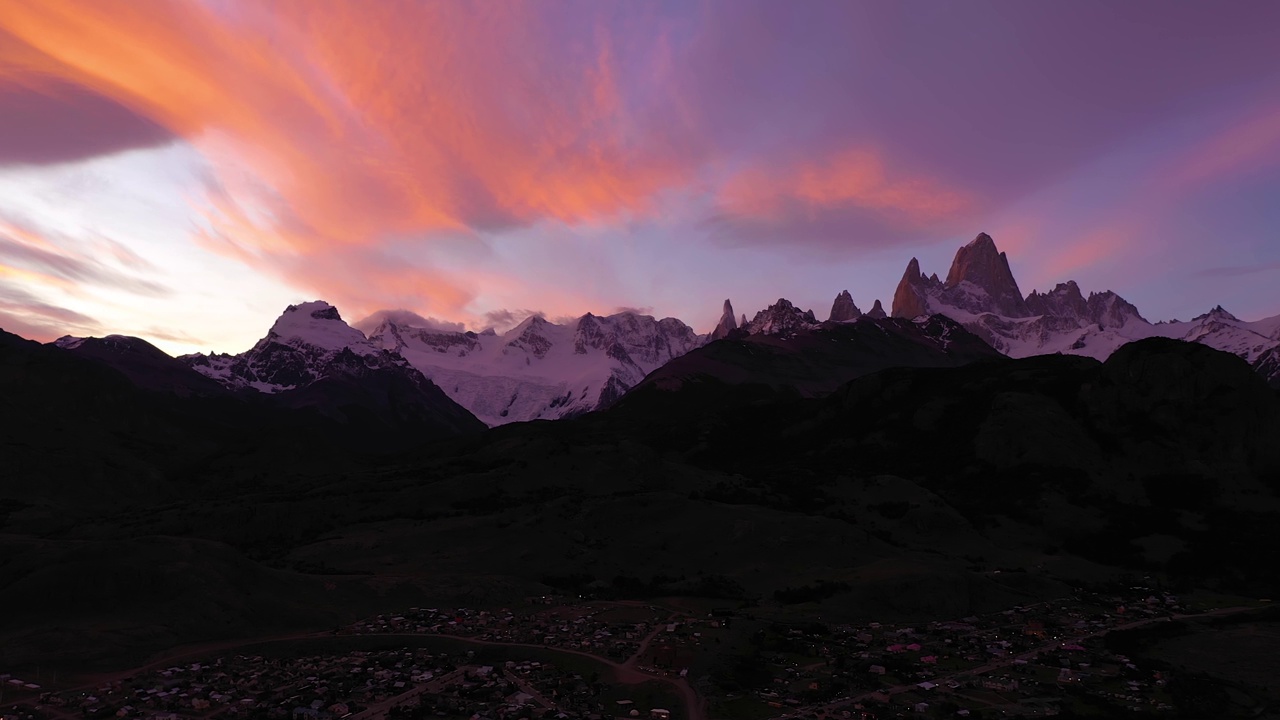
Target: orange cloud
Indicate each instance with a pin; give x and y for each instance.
(334, 126)
(855, 178)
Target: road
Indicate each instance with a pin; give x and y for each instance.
(1005, 662)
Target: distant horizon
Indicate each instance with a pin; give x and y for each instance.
(181, 172)
(407, 317)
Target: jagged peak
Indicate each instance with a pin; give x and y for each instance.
(782, 316)
(913, 270)
(1064, 288)
(317, 309)
(317, 324)
(982, 242)
(1218, 313)
(1069, 290)
(982, 264)
(727, 322)
(843, 308)
(877, 311)
(908, 299)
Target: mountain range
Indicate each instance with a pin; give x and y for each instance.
(545, 370)
(903, 459)
(981, 293)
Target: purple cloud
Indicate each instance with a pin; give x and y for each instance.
(57, 122)
(22, 313)
(80, 268)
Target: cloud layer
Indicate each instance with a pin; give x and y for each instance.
(373, 152)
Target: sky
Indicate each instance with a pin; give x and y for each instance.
(183, 170)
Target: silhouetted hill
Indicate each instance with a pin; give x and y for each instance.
(146, 365)
(814, 361)
(904, 489)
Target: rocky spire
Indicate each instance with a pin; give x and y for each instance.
(843, 309)
(877, 311)
(983, 265)
(1065, 300)
(909, 299)
(727, 322)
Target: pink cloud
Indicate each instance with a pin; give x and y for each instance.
(336, 131)
(811, 201)
(359, 122)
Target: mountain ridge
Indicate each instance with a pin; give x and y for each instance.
(979, 293)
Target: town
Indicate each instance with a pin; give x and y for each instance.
(567, 658)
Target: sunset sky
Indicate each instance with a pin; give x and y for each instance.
(181, 171)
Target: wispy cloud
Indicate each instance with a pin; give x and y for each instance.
(1237, 270)
(25, 314)
(407, 318)
(504, 319)
(60, 258)
(335, 130)
(646, 310)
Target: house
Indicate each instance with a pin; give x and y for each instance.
(519, 698)
(660, 714)
(876, 670)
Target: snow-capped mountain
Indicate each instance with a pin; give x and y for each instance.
(981, 293)
(312, 358)
(540, 369)
(780, 318)
(308, 342)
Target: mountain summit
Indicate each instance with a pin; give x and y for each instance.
(843, 309)
(981, 293)
(540, 369)
(727, 323)
(982, 265)
(305, 343)
(780, 318)
(311, 358)
(979, 281)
